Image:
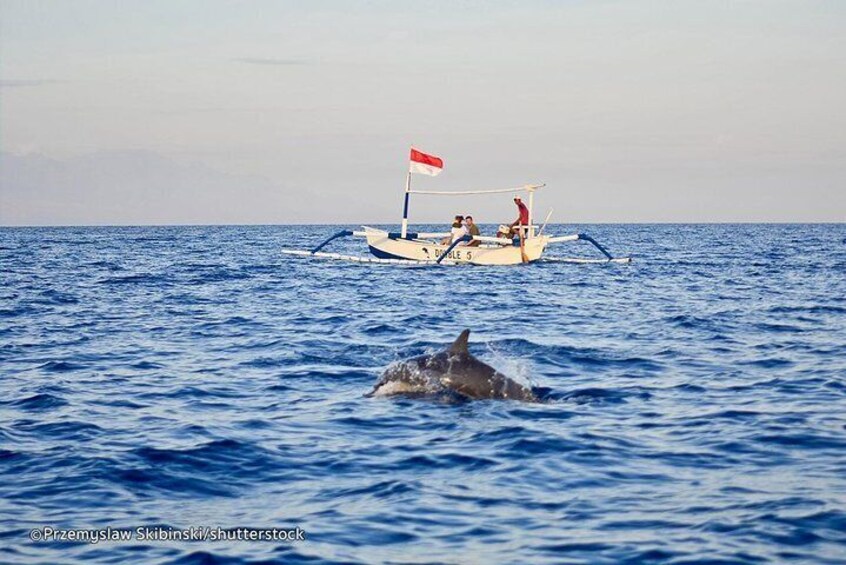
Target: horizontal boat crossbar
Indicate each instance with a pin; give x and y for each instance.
(398, 235)
(488, 239)
(434, 234)
(563, 238)
(527, 188)
(419, 235)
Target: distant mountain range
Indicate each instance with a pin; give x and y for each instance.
(132, 187)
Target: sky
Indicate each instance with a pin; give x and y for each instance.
(211, 111)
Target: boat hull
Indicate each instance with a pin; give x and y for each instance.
(385, 247)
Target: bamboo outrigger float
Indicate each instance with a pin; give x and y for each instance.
(404, 247)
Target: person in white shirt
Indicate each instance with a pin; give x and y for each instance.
(457, 232)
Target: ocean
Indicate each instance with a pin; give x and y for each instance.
(171, 378)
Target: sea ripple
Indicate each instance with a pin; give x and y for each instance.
(694, 401)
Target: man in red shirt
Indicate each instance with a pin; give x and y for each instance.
(523, 218)
(523, 221)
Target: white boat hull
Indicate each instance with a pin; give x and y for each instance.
(385, 247)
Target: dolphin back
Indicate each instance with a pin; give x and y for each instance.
(460, 345)
(476, 379)
(453, 370)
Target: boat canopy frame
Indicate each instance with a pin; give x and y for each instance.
(530, 188)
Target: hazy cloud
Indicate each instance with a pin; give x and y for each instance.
(11, 83)
(272, 61)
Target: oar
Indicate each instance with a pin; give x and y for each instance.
(523, 255)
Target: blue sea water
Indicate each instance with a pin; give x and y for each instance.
(194, 376)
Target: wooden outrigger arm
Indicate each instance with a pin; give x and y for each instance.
(583, 237)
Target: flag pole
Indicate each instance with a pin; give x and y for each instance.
(531, 212)
(404, 230)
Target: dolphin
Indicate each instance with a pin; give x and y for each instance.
(452, 370)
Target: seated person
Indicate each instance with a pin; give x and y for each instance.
(505, 232)
(472, 229)
(457, 232)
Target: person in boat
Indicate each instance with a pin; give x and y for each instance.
(522, 218)
(504, 231)
(521, 225)
(472, 229)
(457, 232)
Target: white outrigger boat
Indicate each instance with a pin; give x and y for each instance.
(426, 248)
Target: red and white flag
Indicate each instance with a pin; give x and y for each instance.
(425, 164)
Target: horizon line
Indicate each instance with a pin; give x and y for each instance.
(265, 224)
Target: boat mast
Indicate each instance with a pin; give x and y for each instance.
(531, 211)
(404, 230)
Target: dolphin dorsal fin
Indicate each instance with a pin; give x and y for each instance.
(459, 346)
